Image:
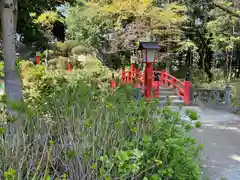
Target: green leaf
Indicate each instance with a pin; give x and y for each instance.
(123, 156)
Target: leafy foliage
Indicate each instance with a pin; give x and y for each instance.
(120, 23)
(113, 134)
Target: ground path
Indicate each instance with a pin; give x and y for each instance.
(220, 135)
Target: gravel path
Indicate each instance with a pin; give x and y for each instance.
(220, 135)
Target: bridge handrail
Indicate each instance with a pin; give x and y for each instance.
(129, 76)
(172, 81)
(184, 88)
(163, 77)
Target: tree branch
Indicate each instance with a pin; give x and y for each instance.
(225, 9)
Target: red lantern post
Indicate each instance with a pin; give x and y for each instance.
(148, 51)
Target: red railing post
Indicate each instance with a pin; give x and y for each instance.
(132, 68)
(163, 76)
(187, 91)
(123, 74)
(156, 89)
(174, 82)
(69, 66)
(113, 84)
(38, 58)
(129, 76)
(137, 79)
(137, 73)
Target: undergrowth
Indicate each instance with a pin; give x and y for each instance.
(75, 129)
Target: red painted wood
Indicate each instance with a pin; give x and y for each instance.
(148, 81)
(69, 67)
(129, 76)
(38, 59)
(132, 68)
(113, 84)
(156, 89)
(174, 82)
(187, 86)
(138, 73)
(145, 80)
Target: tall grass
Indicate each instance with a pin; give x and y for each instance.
(79, 132)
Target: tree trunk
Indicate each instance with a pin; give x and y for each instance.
(12, 77)
(238, 70)
(230, 65)
(226, 64)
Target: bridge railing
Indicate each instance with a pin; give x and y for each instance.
(160, 78)
(129, 76)
(184, 88)
(217, 97)
(214, 97)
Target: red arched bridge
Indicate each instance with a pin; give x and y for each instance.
(151, 86)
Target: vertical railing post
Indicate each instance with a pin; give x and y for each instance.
(187, 87)
(38, 60)
(188, 90)
(163, 76)
(156, 85)
(129, 76)
(133, 68)
(156, 89)
(113, 84)
(137, 79)
(174, 80)
(137, 73)
(123, 74)
(69, 66)
(227, 95)
(217, 97)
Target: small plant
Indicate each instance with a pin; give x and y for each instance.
(10, 174)
(192, 114)
(198, 124)
(169, 101)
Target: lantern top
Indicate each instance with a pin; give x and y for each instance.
(148, 45)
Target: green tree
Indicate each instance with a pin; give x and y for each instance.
(121, 23)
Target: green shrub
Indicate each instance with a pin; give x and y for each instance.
(1, 69)
(80, 49)
(70, 44)
(66, 47)
(192, 114)
(78, 130)
(59, 62)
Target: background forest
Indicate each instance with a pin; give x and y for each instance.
(200, 35)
